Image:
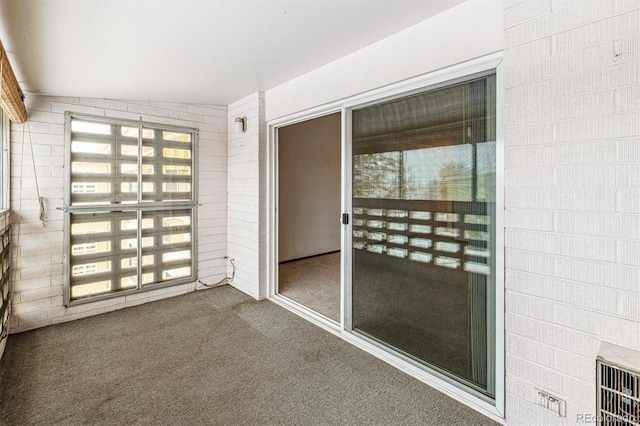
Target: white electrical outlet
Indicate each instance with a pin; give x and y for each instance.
(556, 405)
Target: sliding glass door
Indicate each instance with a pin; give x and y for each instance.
(423, 228)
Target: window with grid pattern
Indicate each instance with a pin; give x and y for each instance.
(130, 207)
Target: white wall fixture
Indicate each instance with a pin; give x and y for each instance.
(240, 124)
(551, 403)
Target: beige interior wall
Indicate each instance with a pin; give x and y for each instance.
(309, 188)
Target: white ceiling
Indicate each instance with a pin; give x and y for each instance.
(207, 51)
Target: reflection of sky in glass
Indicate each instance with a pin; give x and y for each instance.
(442, 173)
(486, 160)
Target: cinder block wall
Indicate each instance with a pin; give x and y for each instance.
(37, 252)
(247, 196)
(572, 175)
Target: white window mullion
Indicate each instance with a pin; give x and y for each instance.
(139, 185)
(139, 246)
(139, 212)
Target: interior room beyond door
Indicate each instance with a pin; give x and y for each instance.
(309, 239)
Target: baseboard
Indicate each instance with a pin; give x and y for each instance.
(309, 257)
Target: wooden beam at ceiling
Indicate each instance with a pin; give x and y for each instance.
(12, 98)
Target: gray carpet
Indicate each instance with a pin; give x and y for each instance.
(213, 357)
(419, 308)
(313, 282)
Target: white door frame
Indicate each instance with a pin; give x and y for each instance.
(494, 409)
(272, 222)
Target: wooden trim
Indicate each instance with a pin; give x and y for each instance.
(12, 99)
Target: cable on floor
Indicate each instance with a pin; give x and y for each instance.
(225, 280)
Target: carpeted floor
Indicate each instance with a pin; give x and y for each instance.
(213, 357)
(420, 309)
(313, 282)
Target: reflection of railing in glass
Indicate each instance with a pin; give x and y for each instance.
(410, 233)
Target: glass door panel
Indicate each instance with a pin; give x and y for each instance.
(423, 228)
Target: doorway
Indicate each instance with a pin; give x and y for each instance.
(309, 197)
(418, 177)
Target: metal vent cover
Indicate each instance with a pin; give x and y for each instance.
(618, 395)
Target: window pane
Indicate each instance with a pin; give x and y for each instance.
(176, 238)
(90, 187)
(176, 153)
(90, 227)
(133, 187)
(89, 289)
(131, 281)
(176, 137)
(90, 268)
(176, 221)
(90, 248)
(104, 254)
(133, 224)
(176, 187)
(173, 249)
(176, 256)
(132, 262)
(78, 167)
(423, 277)
(132, 132)
(132, 169)
(132, 243)
(148, 133)
(176, 170)
(94, 242)
(94, 153)
(78, 126)
(172, 274)
(90, 147)
(147, 151)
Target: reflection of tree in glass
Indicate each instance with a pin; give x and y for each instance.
(376, 175)
(443, 173)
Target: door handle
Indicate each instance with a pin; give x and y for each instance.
(345, 218)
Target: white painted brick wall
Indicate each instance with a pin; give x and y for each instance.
(572, 173)
(247, 196)
(37, 252)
